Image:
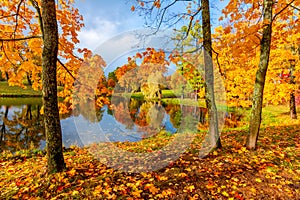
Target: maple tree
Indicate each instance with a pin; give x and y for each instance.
(53, 131)
(245, 40)
(21, 44)
(209, 76)
(31, 44)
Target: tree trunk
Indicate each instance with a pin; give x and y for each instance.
(257, 102)
(209, 77)
(51, 114)
(6, 76)
(293, 111)
(28, 79)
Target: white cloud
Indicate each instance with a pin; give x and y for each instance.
(98, 31)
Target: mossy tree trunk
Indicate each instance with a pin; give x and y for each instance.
(51, 113)
(257, 102)
(209, 76)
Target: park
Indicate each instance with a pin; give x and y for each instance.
(203, 111)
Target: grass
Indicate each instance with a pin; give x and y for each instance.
(233, 172)
(20, 101)
(16, 91)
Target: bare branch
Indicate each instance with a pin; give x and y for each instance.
(19, 39)
(295, 7)
(191, 21)
(63, 65)
(218, 63)
(13, 64)
(17, 14)
(12, 15)
(163, 14)
(287, 5)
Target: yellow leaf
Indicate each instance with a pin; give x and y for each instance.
(72, 172)
(225, 194)
(258, 180)
(188, 169)
(137, 193)
(75, 193)
(244, 149)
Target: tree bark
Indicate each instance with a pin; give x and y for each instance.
(293, 110)
(209, 77)
(257, 102)
(51, 113)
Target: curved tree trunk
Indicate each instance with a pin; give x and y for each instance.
(209, 77)
(257, 102)
(51, 113)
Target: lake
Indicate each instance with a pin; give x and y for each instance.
(21, 124)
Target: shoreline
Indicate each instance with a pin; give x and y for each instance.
(19, 95)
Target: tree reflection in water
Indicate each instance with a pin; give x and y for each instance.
(150, 117)
(21, 127)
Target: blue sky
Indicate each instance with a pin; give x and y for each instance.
(107, 18)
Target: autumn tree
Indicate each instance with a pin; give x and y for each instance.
(252, 35)
(265, 45)
(31, 44)
(144, 71)
(209, 75)
(21, 44)
(51, 112)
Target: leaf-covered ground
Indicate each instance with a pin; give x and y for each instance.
(271, 172)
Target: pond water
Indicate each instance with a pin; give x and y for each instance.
(21, 124)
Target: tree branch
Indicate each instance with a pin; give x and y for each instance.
(63, 65)
(38, 10)
(163, 14)
(17, 14)
(295, 7)
(287, 5)
(12, 15)
(19, 39)
(71, 53)
(191, 21)
(13, 64)
(218, 63)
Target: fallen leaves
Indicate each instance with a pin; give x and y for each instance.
(231, 173)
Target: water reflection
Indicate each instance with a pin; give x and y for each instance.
(21, 125)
